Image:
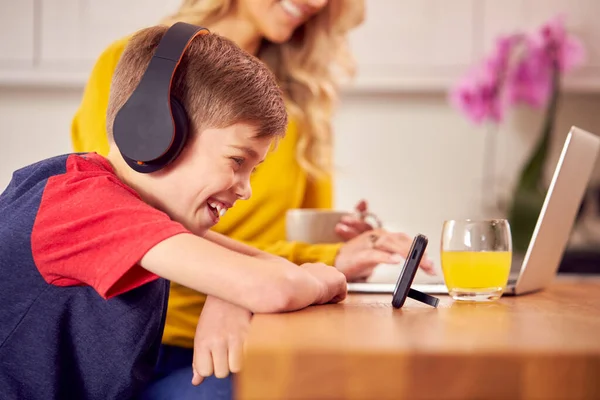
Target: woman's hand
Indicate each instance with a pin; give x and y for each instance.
(353, 225)
(358, 257)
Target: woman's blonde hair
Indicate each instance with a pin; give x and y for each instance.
(309, 67)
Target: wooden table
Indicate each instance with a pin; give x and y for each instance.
(543, 345)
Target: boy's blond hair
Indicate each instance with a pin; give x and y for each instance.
(218, 83)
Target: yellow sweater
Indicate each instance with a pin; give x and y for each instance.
(278, 185)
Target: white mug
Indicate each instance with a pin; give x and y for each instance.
(313, 225)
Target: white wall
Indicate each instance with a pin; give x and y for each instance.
(34, 124)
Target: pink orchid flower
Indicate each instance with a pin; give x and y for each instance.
(519, 70)
(548, 48)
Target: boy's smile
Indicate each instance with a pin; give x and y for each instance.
(217, 208)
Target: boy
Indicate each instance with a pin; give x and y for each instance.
(88, 244)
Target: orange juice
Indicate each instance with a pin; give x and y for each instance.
(476, 269)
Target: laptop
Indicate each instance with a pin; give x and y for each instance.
(553, 228)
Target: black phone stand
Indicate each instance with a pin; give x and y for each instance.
(403, 285)
(423, 297)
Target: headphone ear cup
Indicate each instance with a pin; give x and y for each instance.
(180, 118)
(152, 127)
(180, 136)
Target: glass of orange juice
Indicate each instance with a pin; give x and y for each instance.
(476, 257)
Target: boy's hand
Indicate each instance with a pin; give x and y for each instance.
(332, 282)
(219, 339)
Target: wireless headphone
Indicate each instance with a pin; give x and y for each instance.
(151, 128)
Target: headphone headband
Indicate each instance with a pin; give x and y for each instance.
(151, 127)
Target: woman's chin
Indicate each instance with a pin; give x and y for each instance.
(280, 36)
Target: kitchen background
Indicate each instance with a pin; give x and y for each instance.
(398, 141)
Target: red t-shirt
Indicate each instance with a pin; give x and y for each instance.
(79, 317)
(92, 229)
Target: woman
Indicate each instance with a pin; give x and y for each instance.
(304, 42)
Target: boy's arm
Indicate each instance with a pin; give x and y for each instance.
(260, 285)
(299, 252)
(238, 246)
(110, 240)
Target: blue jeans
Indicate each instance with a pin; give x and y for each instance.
(173, 379)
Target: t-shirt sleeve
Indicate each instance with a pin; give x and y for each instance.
(93, 230)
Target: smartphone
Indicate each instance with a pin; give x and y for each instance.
(402, 289)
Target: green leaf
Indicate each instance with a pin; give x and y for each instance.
(526, 206)
(529, 195)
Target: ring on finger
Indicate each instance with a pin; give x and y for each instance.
(373, 238)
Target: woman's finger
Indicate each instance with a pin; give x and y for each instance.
(426, 264)
(346, 232)
(370, 258)
(392, 244)
(400, 244)
(356, 223)
(361, 206)
(403, 242)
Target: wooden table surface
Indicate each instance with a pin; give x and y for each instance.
(543, 345)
